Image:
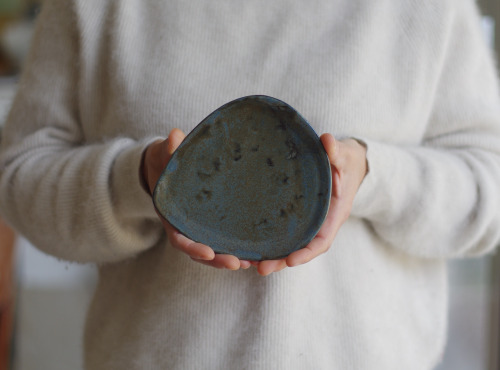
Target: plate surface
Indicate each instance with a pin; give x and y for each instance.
(252, 180)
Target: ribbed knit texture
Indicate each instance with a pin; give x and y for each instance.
(413, 79)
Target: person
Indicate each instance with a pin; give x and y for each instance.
(405, 95)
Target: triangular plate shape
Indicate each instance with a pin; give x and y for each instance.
(252, 180)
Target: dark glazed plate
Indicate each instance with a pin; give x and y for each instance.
(252, 180)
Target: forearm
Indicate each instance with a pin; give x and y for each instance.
(433, 202)
(437, 195)
(83, 203)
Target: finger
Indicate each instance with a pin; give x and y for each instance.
(336, 184)
(170, 145)
(330, 145)
(336, 151)
(245, 264)
(175, 139)
(221, 261)
(332, 148)
(265, 268)
(317, 246)
(193, 249)
(323, 239)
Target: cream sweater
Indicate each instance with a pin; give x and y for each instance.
(412, 78)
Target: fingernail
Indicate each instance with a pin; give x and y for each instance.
(205, 258)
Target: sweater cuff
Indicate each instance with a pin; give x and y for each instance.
(131, 199)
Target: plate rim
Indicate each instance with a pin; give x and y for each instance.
(265, 99)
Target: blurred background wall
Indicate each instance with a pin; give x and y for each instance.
(42, 299)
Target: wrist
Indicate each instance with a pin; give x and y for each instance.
(362, 146)
(143, 172)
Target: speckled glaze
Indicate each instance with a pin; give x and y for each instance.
(252, 180)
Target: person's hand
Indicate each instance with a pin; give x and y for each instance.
(349, 167)
(348, 162)
(155, 159)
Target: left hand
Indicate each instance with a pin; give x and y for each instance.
(155, 158)
(349, 167)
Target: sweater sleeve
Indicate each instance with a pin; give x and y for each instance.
(75, 199)
(441, 198)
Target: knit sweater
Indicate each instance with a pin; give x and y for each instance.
(412, 79)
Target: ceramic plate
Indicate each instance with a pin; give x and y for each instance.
(252, 180)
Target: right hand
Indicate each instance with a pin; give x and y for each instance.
(155, 159)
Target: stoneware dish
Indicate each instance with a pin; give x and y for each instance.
(252, 180)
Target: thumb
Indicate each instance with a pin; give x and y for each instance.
(331, 147)
(173, 141)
